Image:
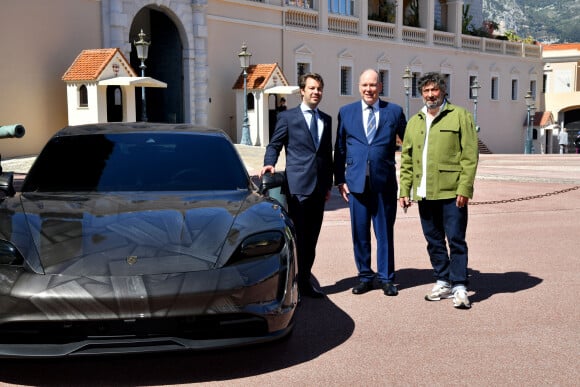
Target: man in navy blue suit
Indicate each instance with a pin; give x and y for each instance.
(306, 134)
(364, 170)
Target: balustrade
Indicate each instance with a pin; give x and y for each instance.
(298, 14)
(471, 43)
(441, 38)
(381, 30)
(343, 24)
(513, 48)
(414, 35)
(301, 18)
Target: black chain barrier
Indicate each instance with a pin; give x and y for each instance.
(256, 180)
(526, 197)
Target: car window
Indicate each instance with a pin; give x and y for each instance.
(137, 162)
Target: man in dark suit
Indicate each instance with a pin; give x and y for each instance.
(364, 169)
(306, 134)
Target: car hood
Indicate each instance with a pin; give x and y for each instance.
(132, 233)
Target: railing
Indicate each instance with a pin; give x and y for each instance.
(414, 35)
(493, 46)
(343, 24)
(381, 30)
(442, 38)
(532, 51)
(305, 18)
(301, 18)
(471, 42)
(514, 49)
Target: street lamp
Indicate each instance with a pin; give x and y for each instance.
(532, 114)
(244, 64)
(142, 47)
(474, 94)
(407, 82)
(530, 104)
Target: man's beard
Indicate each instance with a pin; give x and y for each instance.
(434, 104)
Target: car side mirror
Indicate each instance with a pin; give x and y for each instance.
(274, 186)
(7, 184)
(272, 180)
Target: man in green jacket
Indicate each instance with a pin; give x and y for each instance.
(438, 161)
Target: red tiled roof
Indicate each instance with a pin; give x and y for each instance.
(257, 76)
(561, 46)
(541, 119)
(90, 63)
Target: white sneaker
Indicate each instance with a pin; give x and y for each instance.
(460, 299)
(438, 292)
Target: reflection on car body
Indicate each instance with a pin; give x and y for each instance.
(141, 237)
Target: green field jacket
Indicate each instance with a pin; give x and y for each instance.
(452, 155)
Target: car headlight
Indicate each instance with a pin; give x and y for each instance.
(265, 243)
(9, 254)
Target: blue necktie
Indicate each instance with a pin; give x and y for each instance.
(371, 125)
(314, 127)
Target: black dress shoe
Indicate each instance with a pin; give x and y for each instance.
(390, 289)
(311, 291)
(362, 287)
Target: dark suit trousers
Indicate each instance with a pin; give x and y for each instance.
(381, 209)
(306, 212)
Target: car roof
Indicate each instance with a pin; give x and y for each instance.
(136, 127)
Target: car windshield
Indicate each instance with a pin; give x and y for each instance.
(137, 162)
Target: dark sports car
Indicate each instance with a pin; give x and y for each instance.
(141, 237)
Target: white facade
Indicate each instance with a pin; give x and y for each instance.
(334, 38)
(562, 86)
(340, 45)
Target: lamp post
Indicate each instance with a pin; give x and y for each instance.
(530, 104)
(142, 47)
(407, 82)
(244, 56)
(532, 114)
(474, 94)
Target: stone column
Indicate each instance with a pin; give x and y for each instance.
(427, 18)
(399, 21)
(455, 19)
(323, 15)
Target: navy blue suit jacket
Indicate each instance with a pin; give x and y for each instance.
(307, 168)
(352, 151)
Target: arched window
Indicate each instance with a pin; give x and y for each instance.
(83, 96)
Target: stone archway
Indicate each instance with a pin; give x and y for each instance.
(164, 62)
(188, 17)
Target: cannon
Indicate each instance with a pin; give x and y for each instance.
(7, 178)
(12, 131)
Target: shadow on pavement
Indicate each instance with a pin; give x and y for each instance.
(320, 327)
(486, 285)
(483, 285)
(341, 286)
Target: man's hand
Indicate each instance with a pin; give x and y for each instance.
(344, 191)
(461, 201)
(267, 169)
(405, 203)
